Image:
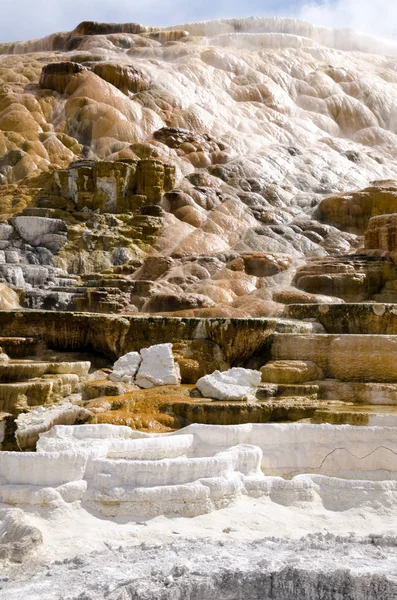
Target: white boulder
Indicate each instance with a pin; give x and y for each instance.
(126, 367)
(235, 384)
(158, 367)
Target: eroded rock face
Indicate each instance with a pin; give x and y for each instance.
(197, 358)
(31, 425)
(235, 384)
(18, 538)
(8, 298)
(124, 78)
(42, 231)
(381, 233)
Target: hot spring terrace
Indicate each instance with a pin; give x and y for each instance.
(325, 363)
(240, 339)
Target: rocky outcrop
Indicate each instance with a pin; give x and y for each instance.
(352, 278)
(113, 336)
(381, 233)
(125, 78)
(95, 28)
(18, 538)
(126, 367)
(9, 299)
(42, 231)
(114, 187)
(352, 211)
(196, 358)
(57, 76)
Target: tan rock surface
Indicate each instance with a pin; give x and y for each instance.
(293, 371)
(352, 211)
(197, 358)
(9, 299)
(381, 233)
(344, 357)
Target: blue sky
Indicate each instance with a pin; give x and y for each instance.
(27, 19)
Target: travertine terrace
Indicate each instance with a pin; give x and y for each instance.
(198, 313)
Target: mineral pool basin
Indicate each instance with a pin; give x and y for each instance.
(285, 449)
(120, 472)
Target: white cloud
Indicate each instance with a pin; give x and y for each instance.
(375, 17)
(27, 19)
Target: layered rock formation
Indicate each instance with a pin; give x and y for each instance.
(191, 170)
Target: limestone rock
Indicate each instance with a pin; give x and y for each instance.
(125, 78)
(263, 264)
(235, 384)
(103, 388)
(94, 28)
(295, 296)
(157, 367)
(41, 231)
(352, 278)
(353, 210)
(126, 367)
(291, 371)
(382, 233)
(115, 186)
(174, 302)
(6, 231)
(3, 357)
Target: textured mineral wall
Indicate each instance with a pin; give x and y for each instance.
(193, 168)
(114, 336)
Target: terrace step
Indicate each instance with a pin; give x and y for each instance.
(363, 415)
(20, 396)
(22, 370)
(360, 393)
(344, 357)
(18, 347)
(354, 318)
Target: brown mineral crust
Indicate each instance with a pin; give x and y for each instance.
(382, 233)
(353, 210)
(57, 76)
(96, 28)
(125, 78)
